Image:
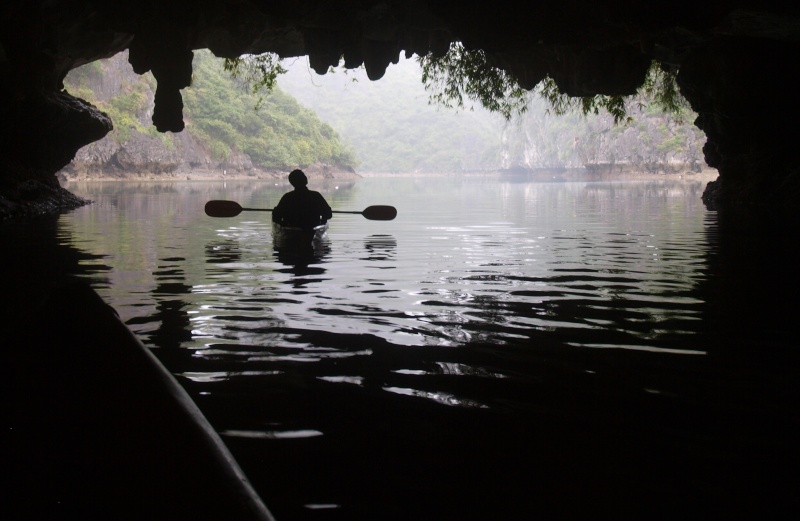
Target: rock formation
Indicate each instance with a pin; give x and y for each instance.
(734, 59)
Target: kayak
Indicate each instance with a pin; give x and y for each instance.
(291, 235)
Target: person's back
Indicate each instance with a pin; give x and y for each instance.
(301, 207)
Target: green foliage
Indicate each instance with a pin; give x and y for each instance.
(561, 104)
(278, 134)
(465, 74)
(83, 92)
(258, 72)
(126, 110)
(131, 102)
(661, 88)
(462, 73)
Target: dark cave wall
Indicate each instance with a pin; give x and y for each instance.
(747, 106)
(41, 134)
(733, 57)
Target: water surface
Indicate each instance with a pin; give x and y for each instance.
(499, 348)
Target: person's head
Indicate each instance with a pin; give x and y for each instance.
(297, 178)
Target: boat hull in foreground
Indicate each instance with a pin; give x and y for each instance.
(98, 428)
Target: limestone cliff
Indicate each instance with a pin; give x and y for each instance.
(134, 150)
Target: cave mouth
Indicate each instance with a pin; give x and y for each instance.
(731, 59)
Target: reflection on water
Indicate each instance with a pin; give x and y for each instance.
(303, 258)
(222, 252)
(380, 248)
(501, 348)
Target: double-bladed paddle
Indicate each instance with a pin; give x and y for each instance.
(221, 208)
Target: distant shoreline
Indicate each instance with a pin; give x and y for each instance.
(705, 175)
(199, 175)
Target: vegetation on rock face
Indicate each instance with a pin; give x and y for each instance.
(127, 99)
(260, 71)
(279, 132)
(463, 74)
(247, 108)
(651, 130)
(650, 139)
(219, 112)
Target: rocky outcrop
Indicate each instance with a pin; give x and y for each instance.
(32, 197)
(143, 155)
(139, 154)
(748, 109)
(733, 56)
(47, 131)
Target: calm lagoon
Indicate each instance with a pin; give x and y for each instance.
(500, 349)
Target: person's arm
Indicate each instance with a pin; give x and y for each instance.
(325, 211)
(279, 210)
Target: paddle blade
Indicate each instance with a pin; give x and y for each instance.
(223, 209)
(380, 213)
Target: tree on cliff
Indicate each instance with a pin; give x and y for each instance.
(462, 74)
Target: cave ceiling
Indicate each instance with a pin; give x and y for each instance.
(587, 46)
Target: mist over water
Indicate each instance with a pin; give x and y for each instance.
(499, 345)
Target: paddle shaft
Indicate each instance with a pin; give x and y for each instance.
(232, 209)
(270, 209)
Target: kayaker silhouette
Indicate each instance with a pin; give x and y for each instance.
(301, 208)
